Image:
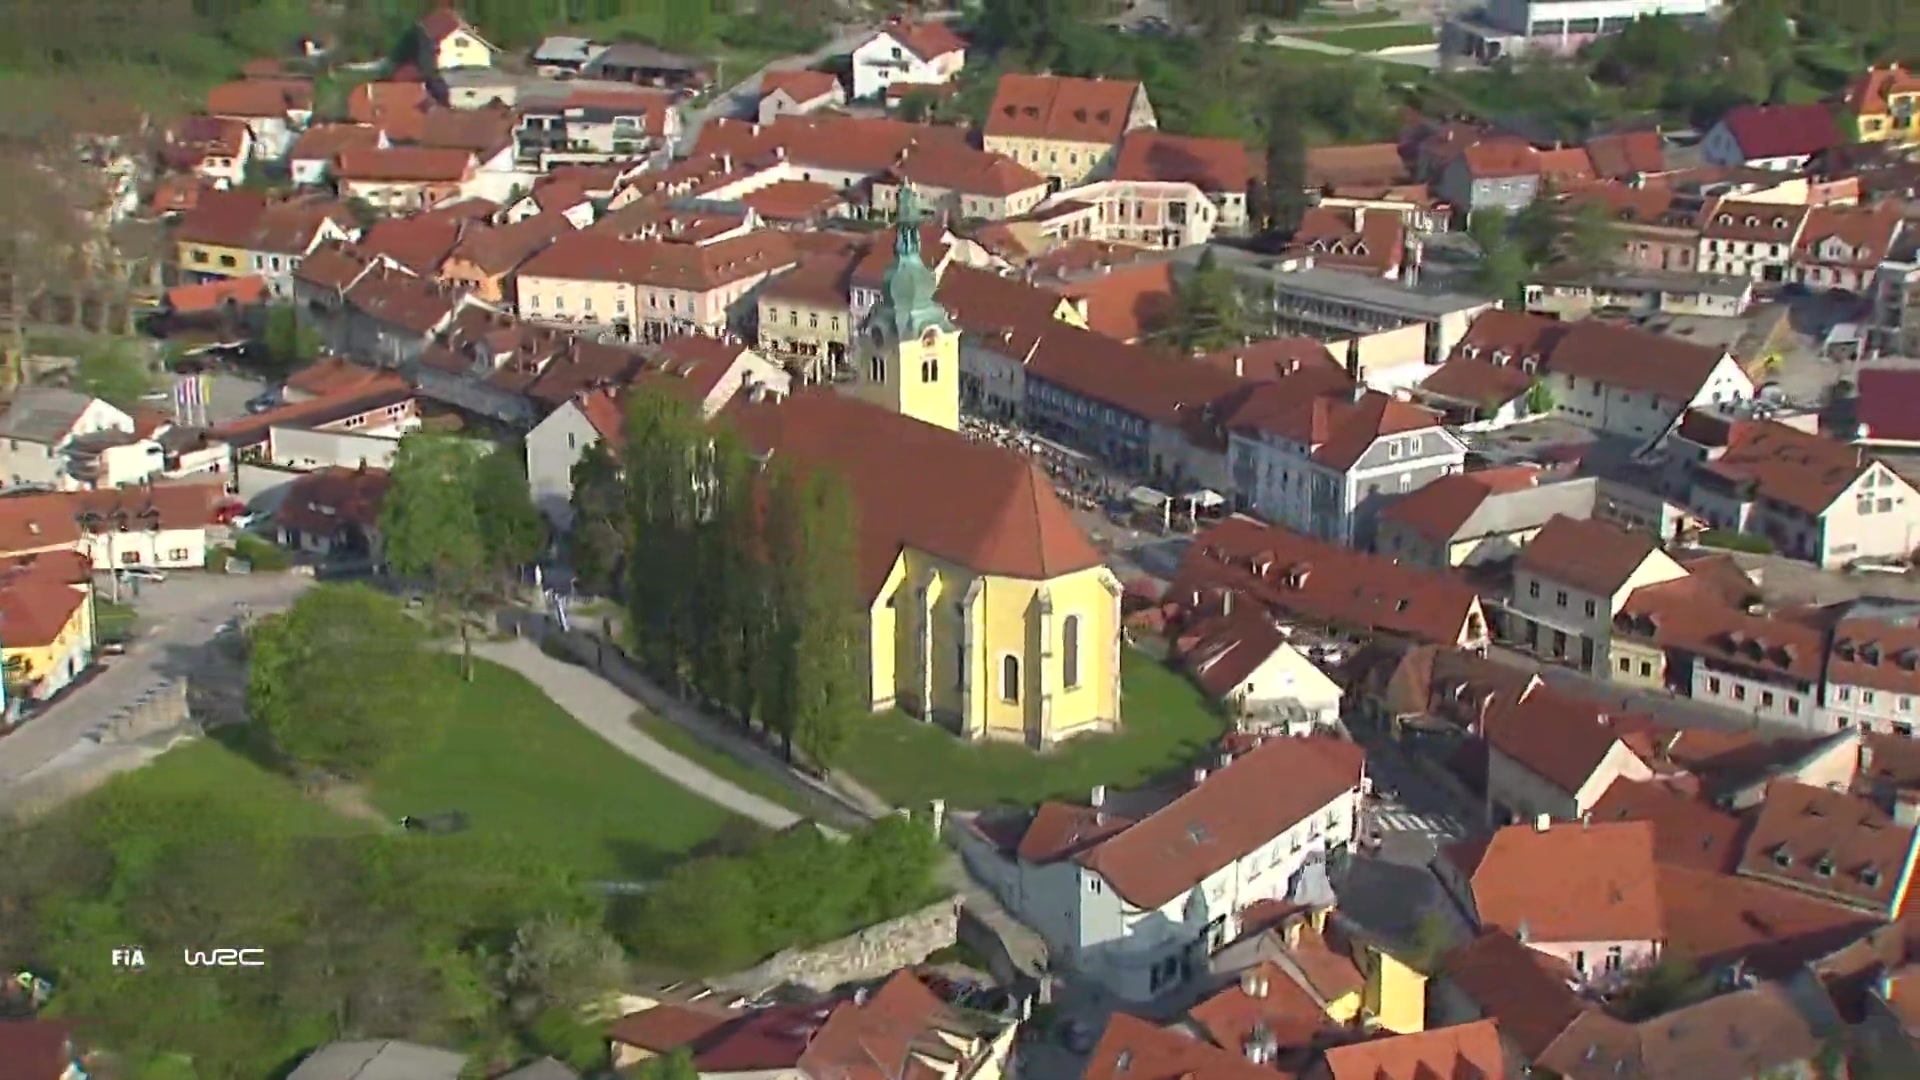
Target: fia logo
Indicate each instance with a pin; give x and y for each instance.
(131, 957)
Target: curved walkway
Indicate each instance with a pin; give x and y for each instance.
(606, 711)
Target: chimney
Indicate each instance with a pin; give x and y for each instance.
(1239, 366)
(1097, 798)
(1542, 822)
(1906, 808)
(1199, 776)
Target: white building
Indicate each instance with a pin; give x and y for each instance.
(1139, 904)
(1326, 465)
(41, 425)
(1573, 579)
(1872, 677)
(927, 54)
(1625, 381)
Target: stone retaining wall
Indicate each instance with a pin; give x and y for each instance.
(873, 953)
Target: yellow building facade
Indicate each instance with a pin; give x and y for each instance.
(1882, 106)
(213, 260)
(40, 656)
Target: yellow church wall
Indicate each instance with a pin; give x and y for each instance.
(905, 389)
(992, 619)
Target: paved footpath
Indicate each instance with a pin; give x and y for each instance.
(607, 711)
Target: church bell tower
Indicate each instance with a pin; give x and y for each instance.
(907, 355)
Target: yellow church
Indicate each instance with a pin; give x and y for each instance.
(990, 611)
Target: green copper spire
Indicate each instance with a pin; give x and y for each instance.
(906, 291)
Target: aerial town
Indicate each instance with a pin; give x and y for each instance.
(1012, 540)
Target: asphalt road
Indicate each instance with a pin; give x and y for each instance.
(177, 618)
(743, 98)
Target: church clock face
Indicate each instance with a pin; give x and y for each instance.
(929, 337)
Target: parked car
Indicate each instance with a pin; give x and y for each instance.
(143, 573)
(453, 821)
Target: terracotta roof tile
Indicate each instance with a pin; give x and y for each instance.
(1743, 1033)
(1566, 166)
(44, 522)
(1570, 883)
(926, 40)
(1634, 359)
(1437, 511)
(669, 1026)
(964, 170)
(1559, 737)
(1772, 223)
(1126, 303)
(1230, 814)
(801, 86)
(418, 243)
(1628, 154)
(1351, 239)
(1061, 108)
(1337, 428)
(1134, 1049)
(1589, 554)
(1868, 93)
(1273, 359)
(1841, 847)
(400, 299)
(1715, 919)
(1212, 165)
(1220, 651)
(261, 98)
(325, 500)
(34, 612)
(1464, 1050)
(503, 248)
(403, 164)
(795, 200)
(212, 295)
(398, 108)
(1062, 831)
(1861, 239)
(980, 506)
(1687, 831)
(34, 1049)
(1771, 131)
(1696, 619)
(389, 389)
(1366, 163)
(324, 142)
(1888, 403)
(1522, 990)
(593, 256)
(1503, 156)
(335, 266)
(1297, 576)
(1264, 1000)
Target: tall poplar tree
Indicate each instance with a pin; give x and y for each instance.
(729, 602)
(812, 538)
(659, 467)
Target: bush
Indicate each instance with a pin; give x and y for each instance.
(1735, 540)
(264, 554)
(796, 889)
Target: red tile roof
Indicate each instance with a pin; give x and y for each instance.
(1559, 737)
(1128, 302)
(1570, 883)
(1298, 576)
(212, 295)
(1221, 651)
(1337, 427)
(974, 504)
(1212, 165)
(398, 108)
(34, 1049)
(795, 200)
(1503, 156)
(1566, 166)
(1772, 131)
(325, 500)
(1627, 155)
(1837, 846)
(1135, 1049)
(1232, 813)
(400, 299)
(926, 40)
(331, 375)
(1849, 237)
(1060, 108)
(1437, 511)
(1888, 403)
(503, 248)
(323, 142)
(1265, 1000)
(1771, 223)
(1465, 1050)
(45, 522)
(1591, 555)
(261, 98)
(1715, 919)
(964, 170)
(33, 613)
(802, 86)
(1868, 93)
(1524, 991)
(593, 256)
(1351, 239)
(403, 164)
(421, 243)
(1366, 163)
(1687, 831)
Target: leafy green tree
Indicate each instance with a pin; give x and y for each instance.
(1206, 309)
(511, 525)
(596, 544)
(1539, 400)
(1760, 27)
(816, 626)
(1503, 266)
(343, 680)
(556, 963)
(429, 526)
(902, 855)
(729, 603)
(290, 342)
(1287, 198)
(663, 453)
(114, 372)
(677, 1065)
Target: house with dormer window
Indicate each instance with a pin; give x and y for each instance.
(1139, 897)
(902, 52)
(1841, 247)
(1843, 848)
(1872, 677)
(1750, 239)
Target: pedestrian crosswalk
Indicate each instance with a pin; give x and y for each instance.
(1408, 821)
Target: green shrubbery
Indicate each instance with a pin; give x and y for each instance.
(1735, 540)
(798, 888)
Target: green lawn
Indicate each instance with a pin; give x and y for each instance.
(1166, 725)
(675, 738)
(111, 621)
(211, 770)
(1369, 38)
(520, 767)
